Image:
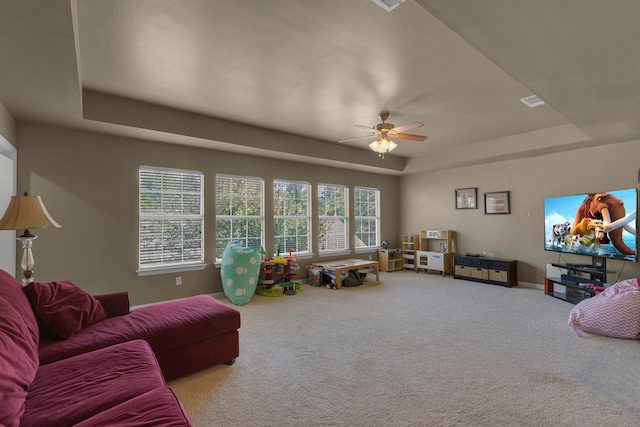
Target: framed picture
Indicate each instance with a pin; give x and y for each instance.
(496, 202)
(466, 198)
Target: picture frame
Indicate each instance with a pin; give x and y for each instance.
(466, 198)
(497, 202)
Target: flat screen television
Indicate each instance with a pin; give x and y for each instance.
(599, 225)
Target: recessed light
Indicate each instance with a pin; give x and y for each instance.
(533, 101)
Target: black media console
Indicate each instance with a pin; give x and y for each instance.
(495, 271)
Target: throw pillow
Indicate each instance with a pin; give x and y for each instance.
(613, 313)
(240, 270)
(62, 308)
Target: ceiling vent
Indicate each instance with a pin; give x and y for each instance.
(533, 101)
(388, 5)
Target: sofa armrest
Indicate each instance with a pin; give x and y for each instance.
(116, 304)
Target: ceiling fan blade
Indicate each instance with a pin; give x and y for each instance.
(407, 127)
(369, 128)
(373, 135)
(409, 136)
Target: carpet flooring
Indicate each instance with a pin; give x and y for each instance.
(416, 350)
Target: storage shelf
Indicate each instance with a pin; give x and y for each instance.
(409, 244)
(390, 259)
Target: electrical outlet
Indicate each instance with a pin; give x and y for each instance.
(179, 280)
(369, 257)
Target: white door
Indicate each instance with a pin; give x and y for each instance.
(8, 163)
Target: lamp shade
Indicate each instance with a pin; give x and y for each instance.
(25, 212)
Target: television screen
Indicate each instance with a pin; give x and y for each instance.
(594, 224)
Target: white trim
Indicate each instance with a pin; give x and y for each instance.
(8, 249)
(172, 269)
(151, 264)
(357, 218)
(245, 180)
(345, 218)
(333, 253)
(367, 249)
(308, 217)
(228, 175)
(161, 169)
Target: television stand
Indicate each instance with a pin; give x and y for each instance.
(574, 288)
(572, 291)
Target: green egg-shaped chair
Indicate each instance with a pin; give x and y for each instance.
(239, 270)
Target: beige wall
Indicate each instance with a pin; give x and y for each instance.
(88, 182)
(427, 201)
(7, 126)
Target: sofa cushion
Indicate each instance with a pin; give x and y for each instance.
(18, 363)
(167, 325)
(158, 407)
(72, 390)
(62, 308)
(12, 291)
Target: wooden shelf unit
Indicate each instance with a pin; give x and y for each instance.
(410, 243)
(436, 251)
(390, 259)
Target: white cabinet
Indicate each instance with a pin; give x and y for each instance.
(431, 261)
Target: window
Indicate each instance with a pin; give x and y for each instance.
(367, 217)
(170, 219)
(292, 217)
(333, 218)
(239, 212)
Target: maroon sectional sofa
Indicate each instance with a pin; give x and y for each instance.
(67, 358)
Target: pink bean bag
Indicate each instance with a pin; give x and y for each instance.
(613, 313)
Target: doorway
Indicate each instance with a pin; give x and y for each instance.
(8, 177)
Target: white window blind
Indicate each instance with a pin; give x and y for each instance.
(291, 217)
(171, 218)
(239, 212)
(333, 227)
(367, 216)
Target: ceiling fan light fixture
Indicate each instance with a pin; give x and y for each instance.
(383, 145)
(383, 131)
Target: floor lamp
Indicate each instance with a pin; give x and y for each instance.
(27, 212)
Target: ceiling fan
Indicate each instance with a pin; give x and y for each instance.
(383, 131)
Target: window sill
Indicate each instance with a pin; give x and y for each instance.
(334, 253)
(370, 249)
(305, 255)
(170, 270)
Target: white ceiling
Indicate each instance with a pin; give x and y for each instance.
(207, 73)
